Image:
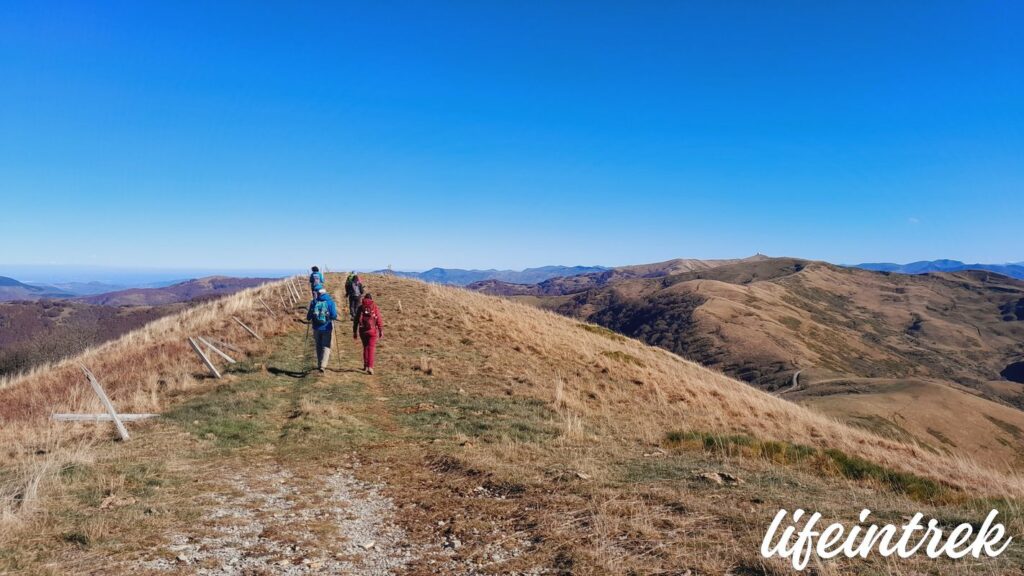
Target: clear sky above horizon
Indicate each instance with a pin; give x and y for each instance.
(506, 135)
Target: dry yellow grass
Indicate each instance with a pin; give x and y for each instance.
(139, 372)
(657, 391)
(591, 404)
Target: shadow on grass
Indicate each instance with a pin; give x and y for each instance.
(290, 373)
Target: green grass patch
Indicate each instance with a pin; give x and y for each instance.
(831, 461)
(232, 416)
(623, 357)
(602, 331)
(488, 419)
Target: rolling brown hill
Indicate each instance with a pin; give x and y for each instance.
(39, 331)
(495, 438)
(210, 286)
(852, 334)
(43, 331)
(580, 282)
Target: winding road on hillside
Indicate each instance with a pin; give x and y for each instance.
(793, 386)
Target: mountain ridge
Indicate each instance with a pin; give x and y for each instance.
(11, 290)
(461, 277)
(188, 290)
(1013, 270)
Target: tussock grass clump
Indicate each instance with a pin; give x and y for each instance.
(602, 331)
(624, 357)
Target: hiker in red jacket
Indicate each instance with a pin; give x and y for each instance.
(369, 326)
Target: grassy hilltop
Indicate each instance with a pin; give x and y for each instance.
(496, 438)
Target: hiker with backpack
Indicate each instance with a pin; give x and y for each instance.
(316, 280)
(354, 293)
(369, 326)
(321, 315)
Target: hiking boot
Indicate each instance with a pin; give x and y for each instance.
(321, 370)
(369, 371)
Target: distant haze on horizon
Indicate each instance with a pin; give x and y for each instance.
(475, 135)
(127, 275)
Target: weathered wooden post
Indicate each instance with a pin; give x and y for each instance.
(247, 329)
(203, 356)
(121, 430)
(218, 352)
(225, 345)
(110, 416)
(269, 309)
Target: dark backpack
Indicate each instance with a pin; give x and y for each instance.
(368, 317)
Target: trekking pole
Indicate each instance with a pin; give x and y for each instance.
(305, 355)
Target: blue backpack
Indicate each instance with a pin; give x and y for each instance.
(321, 312)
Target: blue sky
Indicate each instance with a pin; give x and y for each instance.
(487, 134)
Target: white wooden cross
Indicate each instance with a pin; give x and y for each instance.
(110, 416)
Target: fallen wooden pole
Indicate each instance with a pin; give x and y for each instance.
(269, 309)
(225, 345)
(106, 404)
(100, 417)
(247, 329)
(202, 355)
(218, 352)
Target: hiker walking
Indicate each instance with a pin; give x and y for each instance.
(369, 326)
(354, 293)
(322, 312)
(316, 281)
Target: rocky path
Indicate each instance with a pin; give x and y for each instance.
(269, 521)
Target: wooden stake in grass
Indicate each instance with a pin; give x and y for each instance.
(400, 307)
(100, 417)
(225, 345)
(121, 430)
(202, 355)
(247, 329)
(218, 352)
(269, 309)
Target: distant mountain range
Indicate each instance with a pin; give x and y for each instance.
(460, 277)
(99, 293)
(1014, 270)
(11, 289)
(81, 288)
(187, 291)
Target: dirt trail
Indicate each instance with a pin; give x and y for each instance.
(793, 386)
(270, 521)
(275, 514)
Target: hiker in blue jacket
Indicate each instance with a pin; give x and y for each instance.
(316, 281)
(321, 315)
